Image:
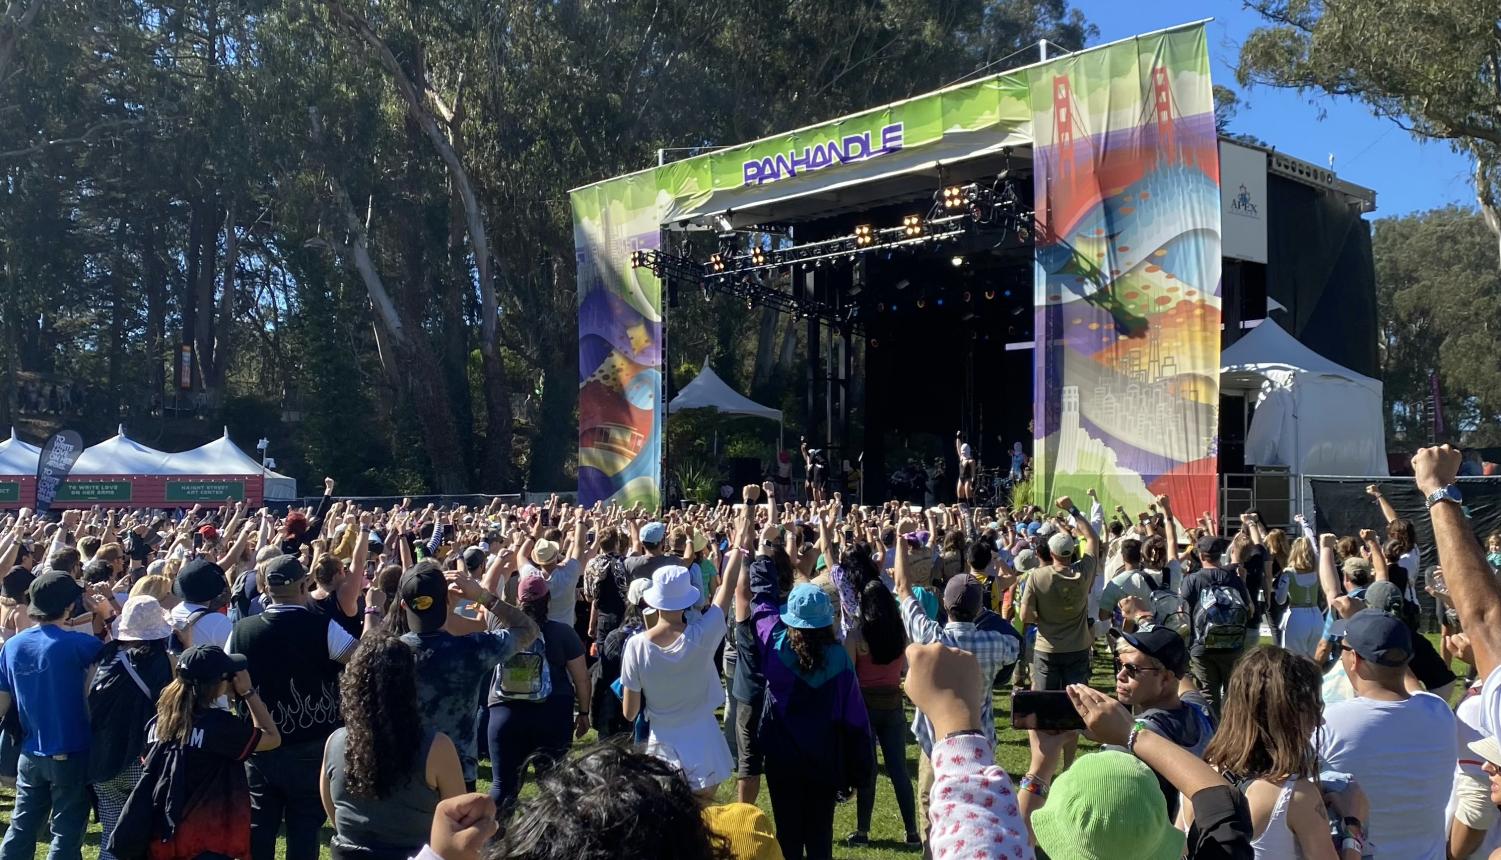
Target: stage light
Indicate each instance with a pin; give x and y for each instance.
(967, 296)
(903, 284)
(912, 226)
(922, 303)
(1007, 294)
(956, 261)
(638, 260)
(758, 257)
(863, 236)
(953, 197)
(716, 263)
(940, 303)
(724, 222)
(990, 295)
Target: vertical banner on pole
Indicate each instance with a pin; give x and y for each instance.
(54, 464)
(1127, 274)
(620, 343)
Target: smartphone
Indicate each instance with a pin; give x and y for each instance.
(1048, 710)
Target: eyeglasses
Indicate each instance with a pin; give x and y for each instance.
(1132, 670)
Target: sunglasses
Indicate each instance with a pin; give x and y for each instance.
(1132, 670)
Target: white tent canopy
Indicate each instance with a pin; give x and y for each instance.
(223, 457)
(708, 391)
(18, 457)
(1314, 416)
(120, 455)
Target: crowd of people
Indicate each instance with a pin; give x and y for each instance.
(229, 682)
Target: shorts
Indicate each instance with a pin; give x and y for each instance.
(1055, 671)
(750, 759)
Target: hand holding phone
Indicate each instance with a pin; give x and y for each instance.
(1044, 710)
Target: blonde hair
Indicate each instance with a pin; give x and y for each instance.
(1276, 546)
(153, 585)
(1301, 558)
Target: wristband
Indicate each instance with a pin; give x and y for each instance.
(1350, 843)
(1074, 512)
(1136, 729)
(1034, 785)
(962, 733)
(372, 610)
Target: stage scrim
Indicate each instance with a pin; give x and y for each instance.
(1127, 274)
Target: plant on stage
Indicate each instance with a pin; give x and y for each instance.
(695, 478)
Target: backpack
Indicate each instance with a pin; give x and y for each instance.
(1169, 609)
(178, 641)
(120, 704)
(1222, 618)
(523, 677)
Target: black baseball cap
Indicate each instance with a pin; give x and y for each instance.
(53, 592)
(474, 558)
(284, 570)
(200, 581)
(1213, 545)
(1377, 637)
(424, 596)
(1162, 644)
(209, 663)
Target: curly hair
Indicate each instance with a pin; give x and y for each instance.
(609, 803)
(379, 702)
(810, 647)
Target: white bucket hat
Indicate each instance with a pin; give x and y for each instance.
(671, 589)
(142, 619)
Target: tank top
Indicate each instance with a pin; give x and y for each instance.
(1300, 595)
(1277, 841)
(873, 674)
(394, 827)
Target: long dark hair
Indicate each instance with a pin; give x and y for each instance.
(783, 563)
(859, 566)
(881, 623)
(810, 647)
(379, 701)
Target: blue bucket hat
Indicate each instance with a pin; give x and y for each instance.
(808, 608)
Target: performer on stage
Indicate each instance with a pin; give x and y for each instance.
(967, 469)
(814, 471)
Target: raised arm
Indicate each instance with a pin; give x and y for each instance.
(1378, 555)
(1328, 576)
(1091, 537)
(1374, 490)
(1472, 587)
(236, 549)
(577, 553)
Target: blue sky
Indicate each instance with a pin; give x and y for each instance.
(1408, 175)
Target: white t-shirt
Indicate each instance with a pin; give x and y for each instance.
(212, 628)
(1409, 562)
(1402, 754)
(562, 589)
(680, 682)
(1479, 813)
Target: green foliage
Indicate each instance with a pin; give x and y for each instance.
(141, 144)
(1438, 291)
(1431, 66)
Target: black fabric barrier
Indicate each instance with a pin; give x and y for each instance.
(1343, 508)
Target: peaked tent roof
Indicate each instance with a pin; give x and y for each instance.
(1268, 346)
(219, 457)
(18, 457)
(120, 455)
(708, 391)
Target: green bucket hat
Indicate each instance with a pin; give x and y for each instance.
(1107, 806)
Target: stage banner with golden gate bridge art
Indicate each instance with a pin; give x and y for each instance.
(1127, 275)
(620, 341)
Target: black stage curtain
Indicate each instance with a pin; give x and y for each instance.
(1345, 509)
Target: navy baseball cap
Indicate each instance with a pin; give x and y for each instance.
(1377, 637)
(1162, 644)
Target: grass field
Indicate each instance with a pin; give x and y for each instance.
(886, 833)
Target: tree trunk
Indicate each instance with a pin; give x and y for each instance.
(187, 300)
(495, 465)
(224, 328)
(156, 313)
(428, 392)
(116, 322)
(208, 270)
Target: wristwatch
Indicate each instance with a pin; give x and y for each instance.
(1449, 493)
